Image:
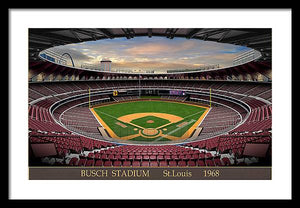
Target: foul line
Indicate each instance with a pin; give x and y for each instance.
(173, 131)
(112, 134)
(193, 114)
(108, 115)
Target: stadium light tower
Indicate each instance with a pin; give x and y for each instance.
(139, 85)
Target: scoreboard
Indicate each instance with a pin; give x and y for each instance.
(177, 92)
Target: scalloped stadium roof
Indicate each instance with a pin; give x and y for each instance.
(44, 38)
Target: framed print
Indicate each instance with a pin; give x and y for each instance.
(164, 102)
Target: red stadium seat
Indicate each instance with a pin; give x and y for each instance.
(200, 163)
(167, 157)
(201, 155)
(208, 155)
(191, 163)
(73, 161)
(91, 155)
(136, 164)
(104, 156)
(182, 157)
(126, 163)
(175, 157)
(163, 163)
(160, 157)
(111, 156)
(226, 161)
(82, 162)
(209, 163)
(118, 157)
(218, 162)
(195, 156)
(117, 163)
(172, 163)
(181, 163)
(188, 156)
(97, 155)
(89, 163)
(99, 163)
(154, 164)
(138, 157)
(145, 164)
(124, 157)
(152, 157)
(108, 163)
(131, 157)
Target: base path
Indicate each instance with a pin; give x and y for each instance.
(128, 118)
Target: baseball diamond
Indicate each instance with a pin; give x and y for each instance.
(150, 120)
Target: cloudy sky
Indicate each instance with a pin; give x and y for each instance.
(154, 53)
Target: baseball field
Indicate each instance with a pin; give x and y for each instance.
(150, 120)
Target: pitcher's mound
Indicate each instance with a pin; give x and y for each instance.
(150, 132)
(150, 121)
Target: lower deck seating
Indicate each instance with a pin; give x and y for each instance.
(107, 155)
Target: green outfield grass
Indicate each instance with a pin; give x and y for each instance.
(110, 114)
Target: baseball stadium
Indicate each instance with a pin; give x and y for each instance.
(112, 113)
